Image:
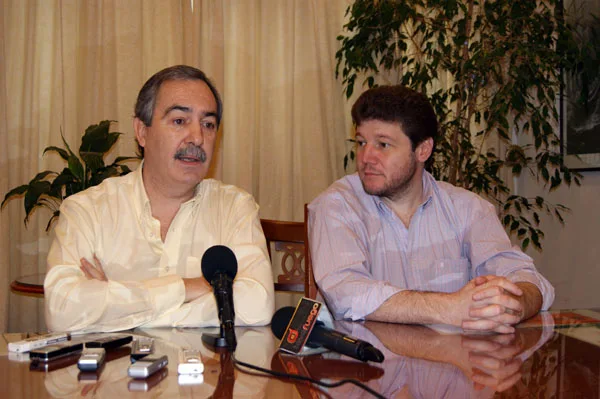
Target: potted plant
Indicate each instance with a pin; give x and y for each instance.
(493, 72)
(49, 188)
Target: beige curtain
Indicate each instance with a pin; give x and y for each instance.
(67, 64)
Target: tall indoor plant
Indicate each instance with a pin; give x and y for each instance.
(492, 70)
(48, 189)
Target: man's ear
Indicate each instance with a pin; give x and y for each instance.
(424, 150)
(140, 130)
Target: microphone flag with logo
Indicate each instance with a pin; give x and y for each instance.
(300, 326)
(299, 329)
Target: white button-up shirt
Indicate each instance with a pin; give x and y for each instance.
(145, 287)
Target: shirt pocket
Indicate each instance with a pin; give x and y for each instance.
(445, 275)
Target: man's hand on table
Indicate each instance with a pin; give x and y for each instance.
(487, 303)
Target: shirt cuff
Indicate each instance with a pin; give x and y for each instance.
(362, 306)
(526, 276)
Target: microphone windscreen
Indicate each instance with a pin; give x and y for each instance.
(218, 259)
(281, 319)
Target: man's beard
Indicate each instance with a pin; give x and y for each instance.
(399, 183)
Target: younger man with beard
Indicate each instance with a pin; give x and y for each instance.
(128, 252)
(393, 244)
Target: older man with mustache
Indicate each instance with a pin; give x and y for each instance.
(127, 252)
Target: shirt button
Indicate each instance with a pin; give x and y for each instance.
(167, 269)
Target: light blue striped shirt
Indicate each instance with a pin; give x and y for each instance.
(363, 254)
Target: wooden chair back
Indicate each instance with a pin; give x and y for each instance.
(309, 281)
(290, 238)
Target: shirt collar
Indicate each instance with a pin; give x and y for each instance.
(428, 186)
(140, 197)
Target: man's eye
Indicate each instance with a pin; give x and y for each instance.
(209, 125)
(179, 121)
(383, 145)
(360, 143)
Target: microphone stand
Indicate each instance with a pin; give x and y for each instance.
(215, 340)
(222, 287)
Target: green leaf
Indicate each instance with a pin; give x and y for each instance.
(15, 192)
(64, 179)
(119, 160)
(42, 175)
(559, 216)
(53, 218)
(535, 239)
(98, 139)
(71, 153)
(35, 191)
(61, 151)
(105, 173)
(539, 201)
(76, 168)
(93, 160)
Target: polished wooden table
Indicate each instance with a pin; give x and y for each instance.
(556, 355)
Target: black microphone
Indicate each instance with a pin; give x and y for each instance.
(328, 338)
(219, 267)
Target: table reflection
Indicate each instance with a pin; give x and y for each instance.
(220, 380)
(554, 355)
(421, 362)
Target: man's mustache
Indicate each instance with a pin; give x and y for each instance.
(191, 151)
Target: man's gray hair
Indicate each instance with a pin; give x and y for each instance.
(146, 100)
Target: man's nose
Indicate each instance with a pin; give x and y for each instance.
(367, 153)
(196, 135)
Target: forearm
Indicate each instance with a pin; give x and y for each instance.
(195, 288)
(531, 300)
(74, 302)
(414, 307)
(253, 306)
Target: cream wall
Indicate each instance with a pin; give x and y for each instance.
(571, 254)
